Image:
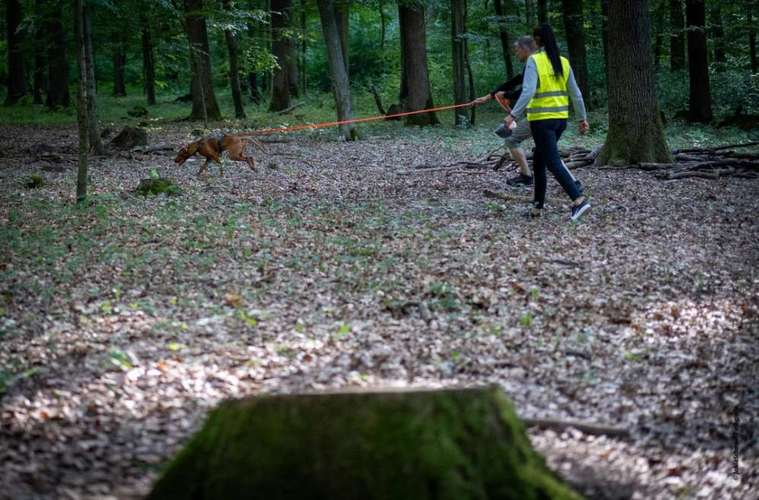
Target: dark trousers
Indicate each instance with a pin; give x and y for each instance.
(546, 134)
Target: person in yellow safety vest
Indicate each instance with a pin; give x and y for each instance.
(548, 83)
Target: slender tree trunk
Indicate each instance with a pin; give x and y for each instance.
(470, 78)
(383, 25)
(415, 84)
(204, 105)
(252, 78)
(458, 28)
(340, 83)
(234, 70)
(718, 33)
(16, 76)
(280, 23)
(119, 62)
(677, 38)
(573, 19)
(700, 101)
(148, 62)
(605, 37)
(504, 36)
(58, 67)
(635, 131)
(342, 13)
(304, 38)
(92, 114)
(752, 43)
(81, 179)
(542, 11)
(659, 29)
(40, 62)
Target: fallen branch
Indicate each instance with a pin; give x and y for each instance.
(290, 108)
(505, 196)
(584, 427)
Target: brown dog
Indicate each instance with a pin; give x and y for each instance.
(212, 147)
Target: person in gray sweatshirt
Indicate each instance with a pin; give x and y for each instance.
(546, 89)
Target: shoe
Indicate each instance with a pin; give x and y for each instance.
(520, 180)
(579, 210)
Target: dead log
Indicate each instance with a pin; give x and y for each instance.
(718, 148)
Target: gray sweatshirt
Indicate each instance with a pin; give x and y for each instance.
(530, 85)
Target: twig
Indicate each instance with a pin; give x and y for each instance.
(290, 108)
(584, 427)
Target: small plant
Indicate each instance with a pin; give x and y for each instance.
(155, 186)
(34, 181)
(526, 320)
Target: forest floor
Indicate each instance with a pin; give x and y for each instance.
(340, 265)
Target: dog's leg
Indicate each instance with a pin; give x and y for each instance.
(236, 154)
(203, 168)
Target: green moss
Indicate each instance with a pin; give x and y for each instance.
(454, 444)
(156, 186)
(34, 181)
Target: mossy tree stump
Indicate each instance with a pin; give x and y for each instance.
(451, 444)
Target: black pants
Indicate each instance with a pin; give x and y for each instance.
(546, 134)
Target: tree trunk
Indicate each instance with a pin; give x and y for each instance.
(605, 38)
(415, 84)
(458, 28)
(304, 37)
(718, 33)
(635, 131)
(253, 92)
(148, 62)
(338, 74)
(542, 11)
(752, 43)
(383, 25)
(92, 114)
(504, 36)
(234, 70)
(573, 19)
(119, 62)
(204, 105)
(82, 113)
(342, 15)
(16, 76)
(280, 45)
(677, 38)
(58, 68)
(659, 34)
(470, 77)
(700, 101)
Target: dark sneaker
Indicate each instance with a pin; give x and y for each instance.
(520, 180)
(579, 210)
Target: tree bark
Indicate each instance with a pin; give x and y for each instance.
(58, 68)
(383, 25)
(659, 33)
(700, 102)
(148, 62)
(92, 114)
(16, 76)
(234, 70)
(119, 62)
(635, 131)
(82, 113)
(504, 36)
(458, 28)
(342, 15)
(39, 57)
(605, 38)
(752, 42)
(718, 33)
(677, 37)
(252, 77)
(338, 74)
(280, 22)
(573, 19)
(542, 11)
(204, 105)
(415, 84)
(303, 47)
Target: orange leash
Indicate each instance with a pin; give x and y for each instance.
(315, 126)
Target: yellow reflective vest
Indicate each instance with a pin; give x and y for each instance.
(551, 99)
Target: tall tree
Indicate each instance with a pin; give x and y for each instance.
(677, 36)
(148, 60)
(281, 12)
(718, 32)
(415, 83)
(458, 30)
(504, 36)
(659, 31)
(338, 73)
(303, 47)
(204, 105)
(342, 15)
(700, 101)
(92, 114)
(82, 114)
(119, 65)
(383, 25)
(58, 67)
(234, 69)
(542, 11)
(752, 41)
(635, 130)
(605, 37)
(16, 76)
(573, 25)
(40, 64)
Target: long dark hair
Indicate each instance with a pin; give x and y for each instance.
(544, 36)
